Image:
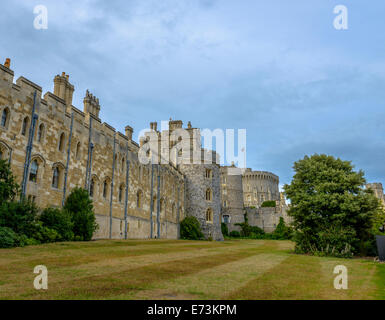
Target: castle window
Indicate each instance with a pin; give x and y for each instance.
(33, 171)
(25, 126)
(209, 173)
(209, 194)
(105, 189)
(40, 132)
(92, 188)
(226, 219)
(162, 207)
(225, 204)
(4, 117)
(173, 210)
(209, 215)
(224, 191)
(77, 154)
(1, 154)
(139, 199)
(154, 204)
(61, 142)
(120, 193)
(122, 166)
(55, 178)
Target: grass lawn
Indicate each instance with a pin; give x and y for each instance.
(171, 269)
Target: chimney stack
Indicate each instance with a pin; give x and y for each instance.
(7, 63)
(129, 132)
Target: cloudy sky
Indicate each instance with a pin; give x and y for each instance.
(277, 68)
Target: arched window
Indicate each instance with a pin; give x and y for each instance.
(162, 206)
(61, 142)
(154, 204)
(139, 199)
(209, 194)
(121, 193)
(1, 154)
(122, 165)
(77, 152)
(92, 188)
(40, 132)
(209, 173)
(105, 189)
(209, 215)
(24, 128)
(33, 171)
(4, 117)
(55, 178)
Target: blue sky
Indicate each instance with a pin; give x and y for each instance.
(277, 68)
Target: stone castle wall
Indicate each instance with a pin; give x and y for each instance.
(108, 169)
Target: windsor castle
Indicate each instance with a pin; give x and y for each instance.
(53, 147)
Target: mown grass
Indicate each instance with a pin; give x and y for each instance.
(170, 269)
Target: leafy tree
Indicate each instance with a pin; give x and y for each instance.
(328, 201)
(282, 231)
(8, 187)
(60, 221)
(190, 229)
(19, 216)
(80, 208)
(7, 237)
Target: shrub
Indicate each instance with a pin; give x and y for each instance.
(225, 229)
(19, 216)
(79, 206)
(268, 204)
(44, 234)
(235, 234)
(282, 232)
(7, 237)
(8, 187)
(190, 229)
(60, 221)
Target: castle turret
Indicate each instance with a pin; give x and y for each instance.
(64, 89)
(91, 105)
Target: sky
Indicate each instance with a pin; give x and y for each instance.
(277, 68)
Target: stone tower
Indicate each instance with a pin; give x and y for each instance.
(232, 197)
(183, 149)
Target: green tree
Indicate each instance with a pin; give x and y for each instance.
(328, 201)
(9, 189)
(79, 206)
(19, 216)
(58, 220)
(190, 229)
